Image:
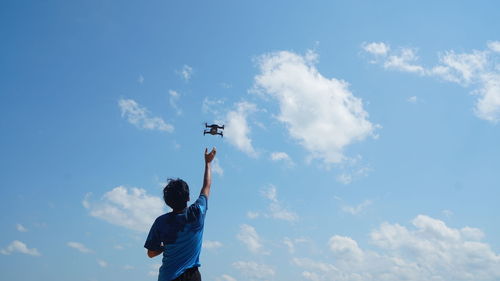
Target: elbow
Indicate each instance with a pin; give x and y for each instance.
(152, 254)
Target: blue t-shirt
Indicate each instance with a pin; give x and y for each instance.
(180, 238)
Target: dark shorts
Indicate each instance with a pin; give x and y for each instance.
(191, 274)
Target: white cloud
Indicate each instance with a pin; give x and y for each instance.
(412, 99)
(376, 48)
(477, 69)
(313, 265)
(488, 105)
(461, 68)
(429, 251)
(226, 85)
(494, 46)
(252, 215)
(345, 248)
(79, 246)
(21, 228)
(140, 79)
(186, 72)
(139, 116)
(225, 277)
(282, 156)
(213, 106)
(248, 235)
(173, 99)
(131, 208)
(102, 263)
(352, 169)
(237, 131)
(404, 61)
(447, 213)
(255, 270)
(320, 113)
(128, 267)
(270, 193)
(344, 178)
(291, 243)
(155, 269)
(19, 247)
(354, 210)
(207, 244)
(276, 209)
(216, 167)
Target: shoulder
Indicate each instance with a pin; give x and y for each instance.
(198, 208)
(161, 219)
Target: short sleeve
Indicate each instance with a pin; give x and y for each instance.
(201, 202)
(197, 210)
(153, 241)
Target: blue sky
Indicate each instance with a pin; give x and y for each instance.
(361, 137)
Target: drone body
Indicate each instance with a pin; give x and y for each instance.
(214, 130)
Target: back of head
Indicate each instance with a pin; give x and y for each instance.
(176, 194)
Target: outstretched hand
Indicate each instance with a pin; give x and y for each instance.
(210, 156)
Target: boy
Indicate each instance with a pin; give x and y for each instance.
(178, 234)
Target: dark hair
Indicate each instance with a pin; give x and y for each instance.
(176, 194)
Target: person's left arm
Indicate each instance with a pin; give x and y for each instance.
(153, 243)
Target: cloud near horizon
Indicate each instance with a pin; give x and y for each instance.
(429, 251)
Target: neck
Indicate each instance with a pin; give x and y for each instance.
(178, 211)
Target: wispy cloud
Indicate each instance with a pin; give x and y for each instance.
(155, 268)
(79, 246)
(376, 48)
(225, 277)
(237, 131)
(217, 168)
(139, 116)
(186, 72)
(213, 106)
(207, 244)
(357, 209)
(479, 69)
(248, 235)
(494, 46)
(252, 270)
(140, 79)
(352, 169)
(174, 97)
(291, 244)
(252, 215)
(276, 209)
(131, 208)
(320, 113)
(17, 246)
(404, 60)
(412, 99)
(282, 157)
(21, 228)
(102, 263)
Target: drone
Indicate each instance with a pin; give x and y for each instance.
(213, 130)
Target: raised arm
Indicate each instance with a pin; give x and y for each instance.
(207, 177)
